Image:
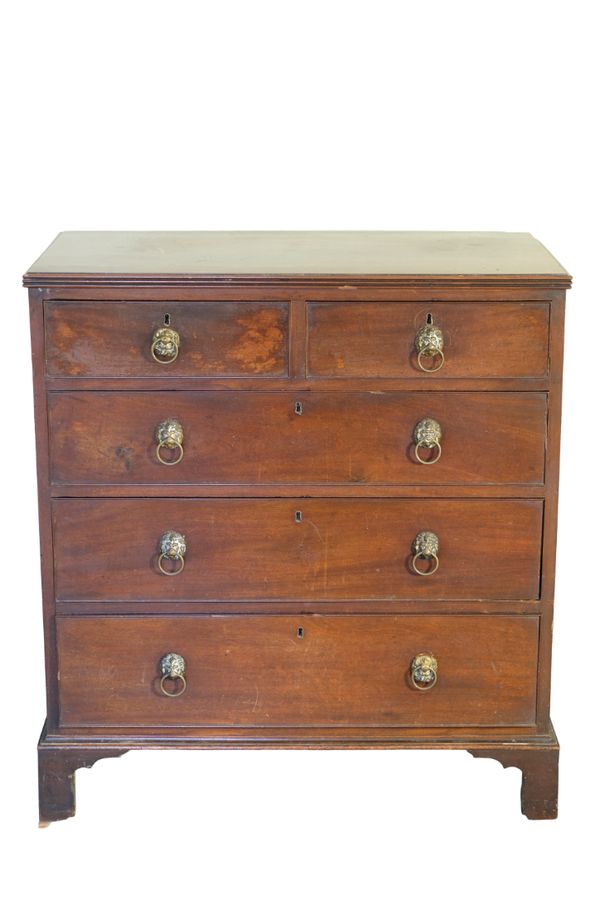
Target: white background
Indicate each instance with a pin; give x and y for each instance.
(393, 115)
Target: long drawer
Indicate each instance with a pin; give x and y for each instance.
(297, 670)
(240, 437)
(253, 549)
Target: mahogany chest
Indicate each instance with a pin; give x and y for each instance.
(297, 489)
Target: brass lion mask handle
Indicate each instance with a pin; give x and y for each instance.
(172, 667)
(426, 547)
(428, 435)
(429, 345)
(169, 437)
(172, 548)
(165, 345)
(424, 671)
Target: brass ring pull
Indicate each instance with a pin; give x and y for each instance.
(169, 435)
(172, 547)
(177, 459)
(429, 342)
(170, 572)
(165, 345)
(173, 694)
(428, 462)
(423, 354)
(428, 434)
(426, 547)
(424, 672)
(425, 572)
(172, 666)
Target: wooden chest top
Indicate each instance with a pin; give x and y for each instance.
(234, 256)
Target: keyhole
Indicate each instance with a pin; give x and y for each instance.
(298, 516)
(298, 408)
(429, 319)
(300, 632)
(167, 319)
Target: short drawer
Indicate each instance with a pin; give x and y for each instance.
(261, 438)
(107, 339)
(261, 549)
(377, 340)
(298, 670)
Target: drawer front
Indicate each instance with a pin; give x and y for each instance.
(260, 549)
(87, 339)
(258, 671)
(264, 438)
(377, 340)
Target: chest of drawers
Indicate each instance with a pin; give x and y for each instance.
(297, 490)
